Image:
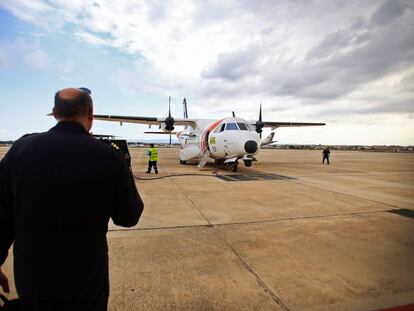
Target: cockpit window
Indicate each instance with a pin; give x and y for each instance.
(231, 127)
(251, 127)
(242, 126)
(222, 127)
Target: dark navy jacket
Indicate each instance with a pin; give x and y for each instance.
(58, 190)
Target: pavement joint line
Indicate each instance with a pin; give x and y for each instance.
(160, 228)
(192, 203)
(294, 181)
(301, 218)
(250, 222)
(249, 268)
(353, 174)
(245, 264)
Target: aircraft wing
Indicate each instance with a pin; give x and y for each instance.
(274, 125)
(142, 120)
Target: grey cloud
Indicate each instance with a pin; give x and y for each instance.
(393, 106)
(233, 66)
(157, 11)
(389, 107)
(341, 63)
(407, 84)
(388, 11)
(330, 45)
(212, 12)
(337, 42)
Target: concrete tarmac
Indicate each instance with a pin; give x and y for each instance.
(337, 237)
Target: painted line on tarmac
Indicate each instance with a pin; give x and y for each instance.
(211, 225)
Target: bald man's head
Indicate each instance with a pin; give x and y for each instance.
(72, 102)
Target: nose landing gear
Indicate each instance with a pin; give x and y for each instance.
(234, 166)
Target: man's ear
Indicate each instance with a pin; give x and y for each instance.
(90, 113)
(54, 113)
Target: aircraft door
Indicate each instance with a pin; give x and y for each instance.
(229, 136)
(216, 142)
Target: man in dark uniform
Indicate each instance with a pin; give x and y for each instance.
(326, 154)
(58, 190)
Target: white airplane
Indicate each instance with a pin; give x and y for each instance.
(227, 140)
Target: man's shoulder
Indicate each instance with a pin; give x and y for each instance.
(50, 138)
(25, 138)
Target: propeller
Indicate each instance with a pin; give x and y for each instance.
(169, 121)
(259, 124)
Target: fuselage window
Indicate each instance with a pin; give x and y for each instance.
(242, 126)
(231, 127)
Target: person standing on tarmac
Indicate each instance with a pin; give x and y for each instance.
(58, 190)
(153, 158)
(326, 153)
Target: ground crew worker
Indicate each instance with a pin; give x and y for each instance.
(326, 154)
(153, 158)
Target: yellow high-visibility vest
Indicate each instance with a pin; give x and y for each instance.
(154, 154)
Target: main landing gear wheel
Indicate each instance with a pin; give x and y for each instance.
(183, 162)
(234, 167)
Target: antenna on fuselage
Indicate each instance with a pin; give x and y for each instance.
(234, 115)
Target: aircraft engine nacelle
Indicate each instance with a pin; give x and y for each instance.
(168, 125)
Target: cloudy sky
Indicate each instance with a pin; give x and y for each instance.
(347, 63)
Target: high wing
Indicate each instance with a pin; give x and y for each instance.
(259, 124)
(275, 125)
(142, 120)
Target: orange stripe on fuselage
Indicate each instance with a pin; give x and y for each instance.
(213, 126)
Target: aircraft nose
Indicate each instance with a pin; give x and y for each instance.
(250, 146)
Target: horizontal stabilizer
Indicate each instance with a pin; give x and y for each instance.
(163, 133)
(104, 136)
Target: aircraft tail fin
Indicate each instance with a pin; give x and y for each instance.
(269, 139)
